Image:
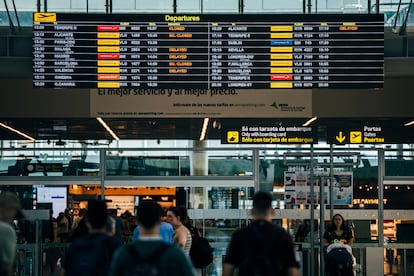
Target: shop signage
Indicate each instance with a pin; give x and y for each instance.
(370, 134)
(268, 134)
(368, 201)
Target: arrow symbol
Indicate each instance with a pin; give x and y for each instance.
(340, 138)
(274, 104)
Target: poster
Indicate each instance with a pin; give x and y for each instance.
(298, 188)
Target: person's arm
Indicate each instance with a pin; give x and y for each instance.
(234, 253)
(326, 238)
(6, 269)
(292, 271)
(325, 242)
(351, 237)
(181, 237)
(7, 249)
(228, 269)
(135, 234)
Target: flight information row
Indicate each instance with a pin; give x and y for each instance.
(165, 75)
(77, 51)
(42, 59)
(308, 84)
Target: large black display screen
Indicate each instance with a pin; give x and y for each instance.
(222, 51)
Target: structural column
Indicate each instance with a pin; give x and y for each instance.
(199, 167)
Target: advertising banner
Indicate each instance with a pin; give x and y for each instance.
(297, 188)
(199, 103)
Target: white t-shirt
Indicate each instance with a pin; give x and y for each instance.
(7, 243)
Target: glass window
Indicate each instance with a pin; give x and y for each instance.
(21, 5)
(270, 6)
(124, 6)
(188, 6)
(153, 6)
(57, 6)
(220, 6)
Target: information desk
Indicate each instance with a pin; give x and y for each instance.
(208, 51)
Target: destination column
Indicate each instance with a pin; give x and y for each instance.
(57, 54)
(239, 56)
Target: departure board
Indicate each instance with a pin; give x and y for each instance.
(222, 51)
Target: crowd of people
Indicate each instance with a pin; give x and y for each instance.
(162, 240)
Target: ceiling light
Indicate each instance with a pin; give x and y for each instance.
(310, 121)
(18, 132)
(204, 129)
(100, 120)
(409, 123)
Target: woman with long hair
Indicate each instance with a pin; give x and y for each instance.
(182, 235)
(337, 230)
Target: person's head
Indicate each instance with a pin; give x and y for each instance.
(10, 207)
(67, 212)
(149, 214)
(338, 221)
(113, 212)
(174, 216)
(262, 206)
(82, 212)
(96, 213)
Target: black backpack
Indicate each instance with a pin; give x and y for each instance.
(201, 252)
(90, 255)
(263, 262)
(145, 265)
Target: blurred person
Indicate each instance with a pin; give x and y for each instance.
(127, 218)
(69, 216)
(150, 255)
(166, 232)
(303, 231)
(182, 235)
(110, 226)
(78, 218)
(91, 254)
(62, 227)
(261, 248)
(10, 208)
(119, 224)
(80, 230)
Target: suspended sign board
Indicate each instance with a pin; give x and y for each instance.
(208, 51)
(268, 134)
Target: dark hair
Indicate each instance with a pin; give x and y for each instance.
(149, 214)
(262, 202)
(97, 213)
(177, 212)
(343, 225)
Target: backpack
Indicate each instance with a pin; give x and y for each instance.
(339, 262)
(89, 256)
(259, 263)
(145, 265)
(201, 252)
